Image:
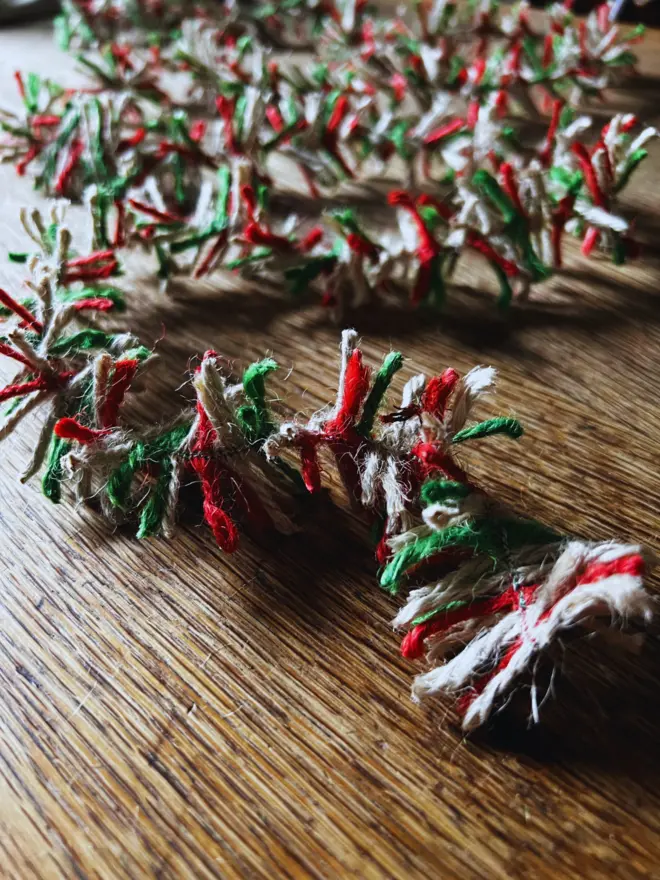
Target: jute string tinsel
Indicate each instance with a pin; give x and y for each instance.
(174, 142)
(171, 148)
(497, 588)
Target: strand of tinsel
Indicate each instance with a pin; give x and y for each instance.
(498, 588)
(446, 97)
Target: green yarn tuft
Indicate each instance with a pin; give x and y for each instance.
(222, 203)
(300, 277)
(437, 491)
(152, 513)
(119, 484)
(391, 365)
(499, 425)
(506, 291)
(443, 609)
(157, 451)
(495, 538)
(255, 420)
(51, 482)
(84, 340)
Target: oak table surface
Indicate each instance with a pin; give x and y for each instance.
(167, 711)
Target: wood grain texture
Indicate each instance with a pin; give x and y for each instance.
(167, 711)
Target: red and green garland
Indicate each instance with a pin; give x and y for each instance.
(497, 588)
(175, 139)
(189, 179)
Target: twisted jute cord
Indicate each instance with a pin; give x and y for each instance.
(489, 591)
(187, 174)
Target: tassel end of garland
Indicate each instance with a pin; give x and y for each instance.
(483, 630)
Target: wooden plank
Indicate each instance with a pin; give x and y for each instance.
(170, 711)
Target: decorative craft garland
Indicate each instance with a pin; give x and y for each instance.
(498, 589)
(447, 98)
(489, 589)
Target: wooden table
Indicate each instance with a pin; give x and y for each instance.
(170, 711)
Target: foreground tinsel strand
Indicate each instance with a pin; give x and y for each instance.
(490, 589)
(173, 144)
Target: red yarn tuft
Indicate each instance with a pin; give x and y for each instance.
(356, 387)
(590, 178)
(21, 388)
(75, 155)
(20, 310)
(95, 303)
(311, 470)
(123, 375)
(71, 429)
(438, 391)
